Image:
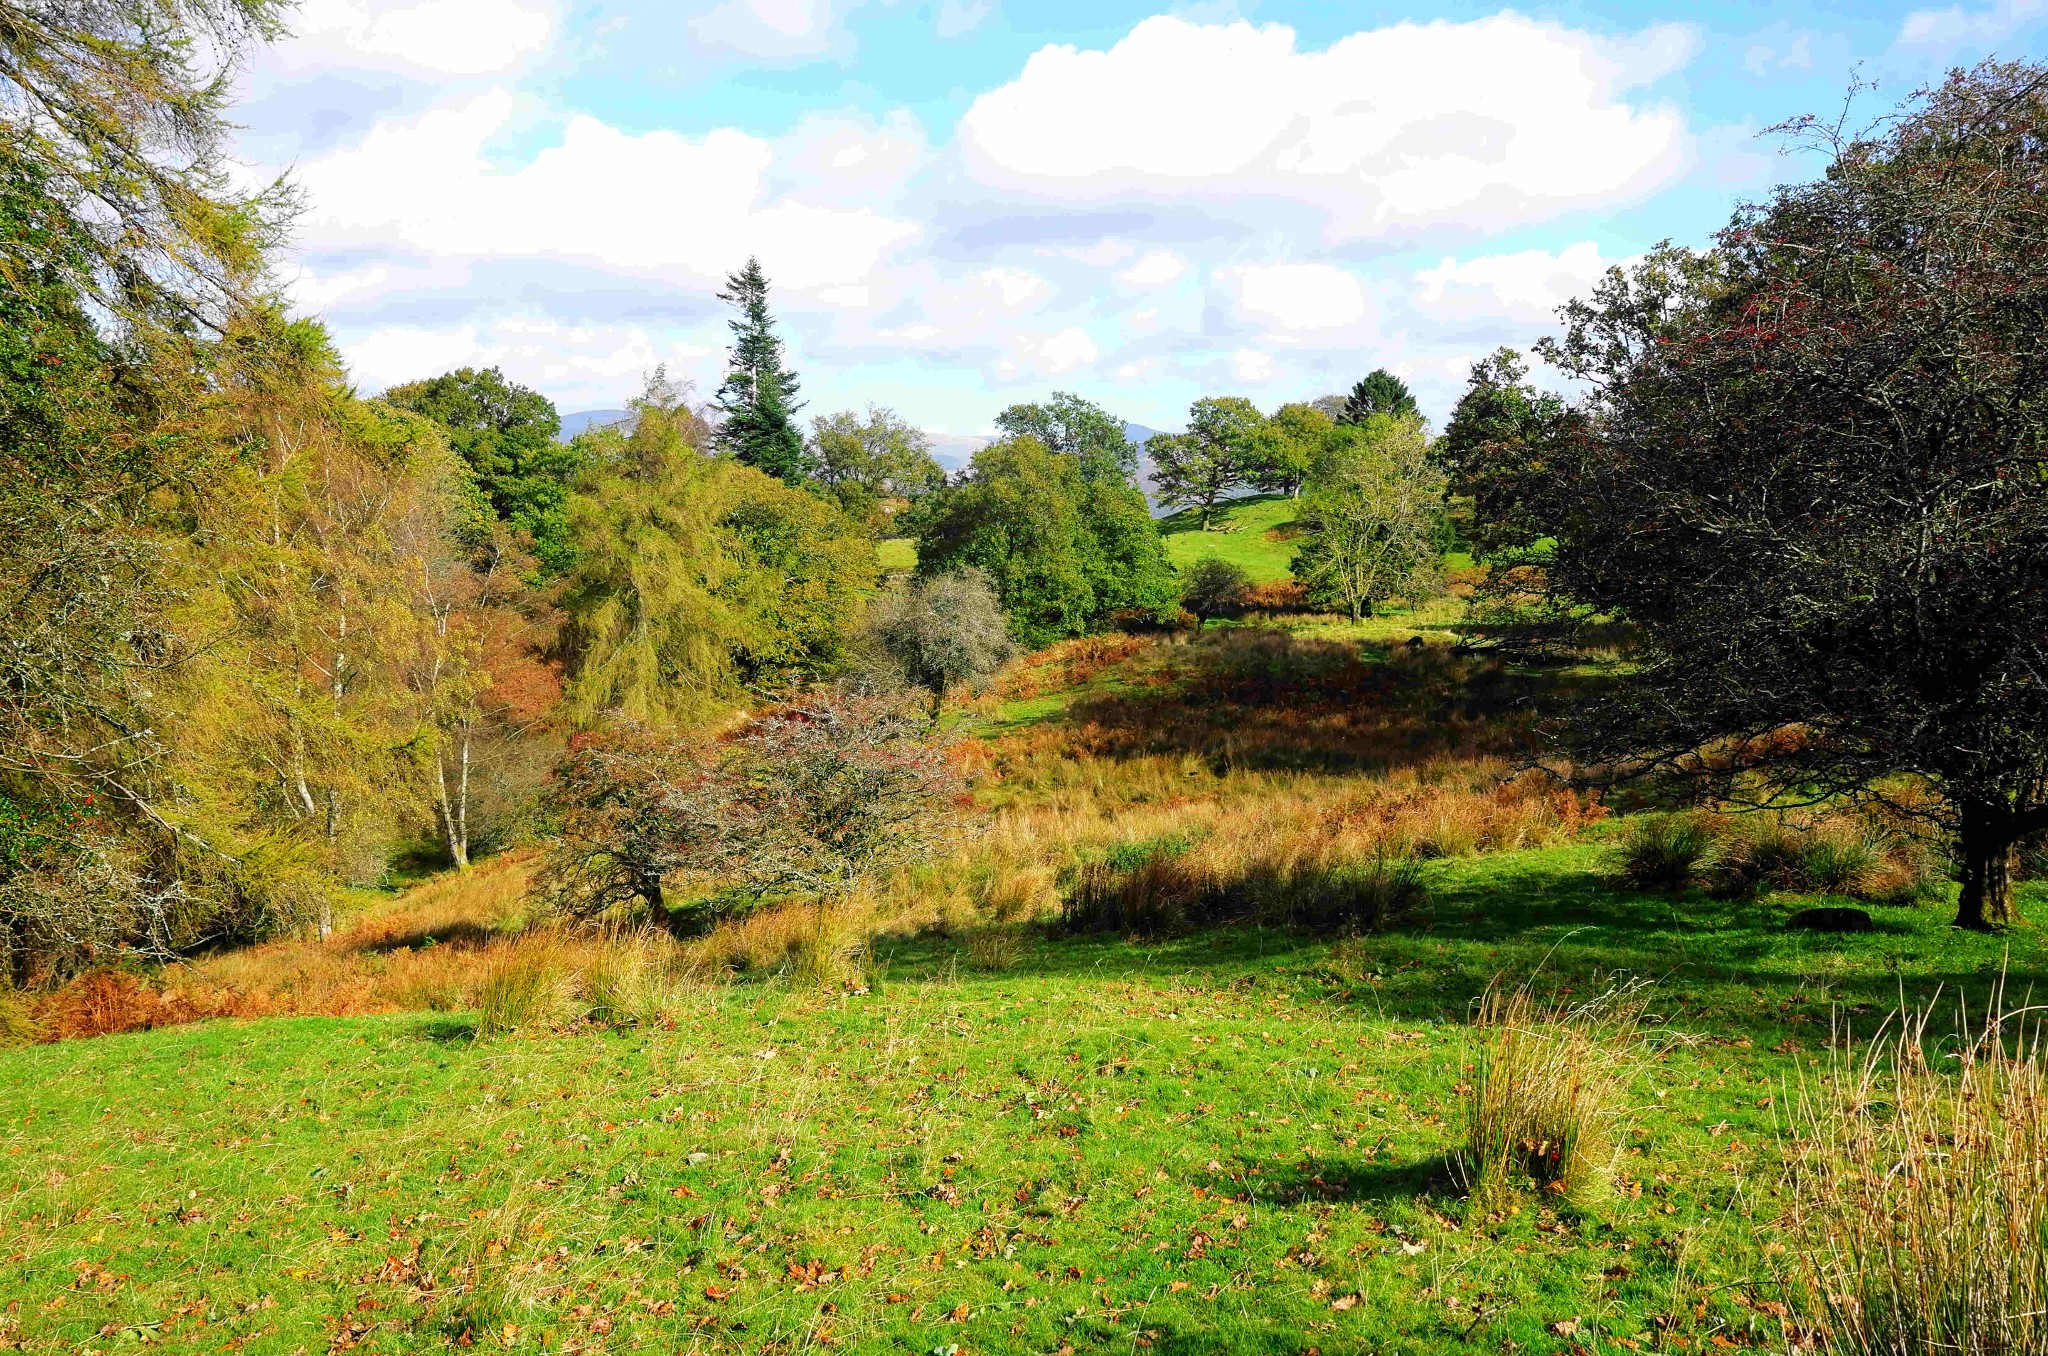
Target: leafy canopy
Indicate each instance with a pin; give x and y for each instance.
(506, 434)
(1372, 518)
(1077, 428)
(1217, 454)
(1063, 552)
(1811, 469)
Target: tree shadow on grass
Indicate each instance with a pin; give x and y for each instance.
(1347, 1180)
(1728, 968)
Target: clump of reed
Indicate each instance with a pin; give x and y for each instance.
(1546, 1101)
(1918, 1170)
(526, 986)
(1739, 855)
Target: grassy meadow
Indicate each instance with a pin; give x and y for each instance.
(1173, 1054)
(1252, 533)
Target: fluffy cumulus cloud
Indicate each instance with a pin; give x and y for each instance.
(1527, 285)
(431, 37)
(677, 207)
(1190, 209)
(1479, 126)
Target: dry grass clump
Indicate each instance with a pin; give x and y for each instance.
(526, 985)
(1069, 663)
(1546, 1101)
(1919, 1177)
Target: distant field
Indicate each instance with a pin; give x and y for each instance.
(1241, 532)
(898, 554)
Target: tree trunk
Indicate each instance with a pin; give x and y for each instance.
(657, 907)
(1985, 843)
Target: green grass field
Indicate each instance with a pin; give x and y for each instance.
(1250, 533)
(1226, 1143)
(898, 554)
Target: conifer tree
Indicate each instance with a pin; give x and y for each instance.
(758, 398)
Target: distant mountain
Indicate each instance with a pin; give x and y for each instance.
(954, 450)
(573, 424)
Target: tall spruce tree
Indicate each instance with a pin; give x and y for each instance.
(758, 398)
(1380, 392)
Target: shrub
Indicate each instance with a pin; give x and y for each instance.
(1920, 1193)
(1839, 859)
(1668, 851)
(1214, 588)
(526, 987)
(1545, 1099)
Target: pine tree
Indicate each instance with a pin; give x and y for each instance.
(1381, 392)
(758, 398)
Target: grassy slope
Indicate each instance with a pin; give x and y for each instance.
(1204, 1145)
(1211, 1142)
(897, 554)
(1239, 532)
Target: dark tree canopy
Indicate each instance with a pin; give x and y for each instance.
(1077, 428)
(1484, 451)
(758, 398)
(1379, 392)
(506, 435)
(1813, 472)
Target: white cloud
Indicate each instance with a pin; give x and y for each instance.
(1528, 285)
(1015, 286)
(445, 37)
(1292, 297)
(1958, 27)
(1048, 355)
(582, 365)
(1157, 269)
(657, 202)
(1248, 364)
(1481, 124)
(769, 28)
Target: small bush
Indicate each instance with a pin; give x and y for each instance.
(1215, 588)
(1839, 859)
(1920, 1193)
(1669, 851)
(1545, 1102)
(526, 987)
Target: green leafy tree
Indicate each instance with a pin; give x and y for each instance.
(1379, 392)
(1486, 451)
(1808, 468)
(1079, 429)
(117, 108)
(1372, 518)
(1217, 454)
(699, 580)
(507, 435)
(758, 399)
(1063, 553)
(1214, 588)
(863, 461)
(1288, 446)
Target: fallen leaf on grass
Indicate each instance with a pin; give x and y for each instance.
(1343, 1302)
(1566, 1327)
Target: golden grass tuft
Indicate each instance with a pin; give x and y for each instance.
(1546, 1103)
(528, 985)
(1919, 1179)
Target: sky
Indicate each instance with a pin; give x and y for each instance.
(962, 204)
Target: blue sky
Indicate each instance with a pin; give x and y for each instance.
(964, 203)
